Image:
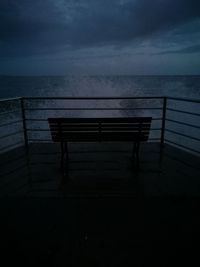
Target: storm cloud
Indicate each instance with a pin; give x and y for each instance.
(33, 28)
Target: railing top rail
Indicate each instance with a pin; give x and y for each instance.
(112, 98)
(100, 98)
(92, 98)
(10, 99)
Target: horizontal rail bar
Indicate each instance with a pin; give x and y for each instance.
(10, 99)
(12, 134)
(184, 112)
(184, 135)
(10, 146)
(10, 123)
(185, 147)
(184, 99)
(92, 98)
(8, 112)
(183, 123)
(60, 109)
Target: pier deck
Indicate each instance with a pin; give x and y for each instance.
(99, 169)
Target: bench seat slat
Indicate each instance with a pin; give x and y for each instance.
(108, 129)
(103, 120)
(100, 129)
(90, 137)
(74, 129)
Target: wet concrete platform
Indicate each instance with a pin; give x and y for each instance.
(105, 214)
(99, 169)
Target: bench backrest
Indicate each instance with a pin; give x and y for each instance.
(100, 129)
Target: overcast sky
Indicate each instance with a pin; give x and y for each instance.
(92, 37)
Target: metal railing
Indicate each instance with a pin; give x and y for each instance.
(30, 115)
(180, 112)
(23, 121)
(10, 123)
(12, 165)
(60, 110)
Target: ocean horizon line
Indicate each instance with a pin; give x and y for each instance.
(102, 75)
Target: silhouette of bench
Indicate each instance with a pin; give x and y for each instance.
(129, 129)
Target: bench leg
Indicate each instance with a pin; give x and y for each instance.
(133, 150)
(66, 150)
(64, 159)
(135, 154)
(62, 156)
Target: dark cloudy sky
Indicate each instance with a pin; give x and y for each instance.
(56, 37)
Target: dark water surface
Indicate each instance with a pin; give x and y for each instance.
(181, 86)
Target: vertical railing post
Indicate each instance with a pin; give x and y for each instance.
(26, 144)
(24, 124)
(162, 137)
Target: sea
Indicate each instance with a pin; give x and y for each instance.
(178, 86)
(103, 86)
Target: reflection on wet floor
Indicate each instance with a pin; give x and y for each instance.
(99, 169)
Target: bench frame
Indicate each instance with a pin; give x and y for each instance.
(129, 129)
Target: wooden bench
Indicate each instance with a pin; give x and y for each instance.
(129, 129)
